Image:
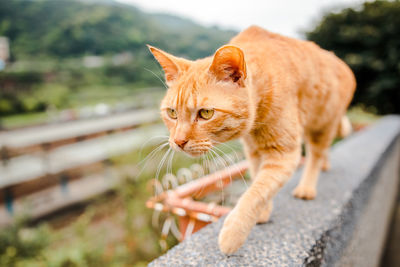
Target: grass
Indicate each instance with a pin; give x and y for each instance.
(22, 120)
(361, 115)
(115, 95)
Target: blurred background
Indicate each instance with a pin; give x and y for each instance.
(80, 134)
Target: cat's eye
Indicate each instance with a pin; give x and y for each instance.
(172, 113)
(206, 114)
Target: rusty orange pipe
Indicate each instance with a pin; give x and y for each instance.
(190, 205)
(212, 182)
(179, 201)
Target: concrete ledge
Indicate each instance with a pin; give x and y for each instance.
(344, 226)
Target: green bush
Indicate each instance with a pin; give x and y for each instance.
(368, 39)
(6, 106)
(19, 243)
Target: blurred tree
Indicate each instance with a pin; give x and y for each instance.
(368, 39)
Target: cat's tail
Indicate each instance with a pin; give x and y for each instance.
(345, 127)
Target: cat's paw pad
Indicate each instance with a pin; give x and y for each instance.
(231, 237)
(304, 192)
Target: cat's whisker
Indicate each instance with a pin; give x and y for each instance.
(224, 165)
(169, 169)
(237, 157)
(212, 163)
(229, 147)
(227, 159)
(203, 163)
(150, 156)
(232, 163)
(166, 87)
(150, 139)
(161, 164)
(208, 164)
(169, 165)
(152, 153)
(219, 158)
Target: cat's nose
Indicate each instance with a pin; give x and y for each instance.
(181, 143)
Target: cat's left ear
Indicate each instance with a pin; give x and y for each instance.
(229, 64)
(171, 65)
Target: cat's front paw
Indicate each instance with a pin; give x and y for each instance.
(265, 214)
(326, 165)
(232, 235)
(305, 192)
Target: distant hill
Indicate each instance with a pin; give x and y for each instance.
(65, 28)
(49, 39)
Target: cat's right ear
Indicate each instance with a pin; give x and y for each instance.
(229, 64)
(170, 64)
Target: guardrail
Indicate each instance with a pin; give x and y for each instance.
(345, 225)
(37, 183)
(46, 138)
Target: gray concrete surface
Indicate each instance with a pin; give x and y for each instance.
(344, 226)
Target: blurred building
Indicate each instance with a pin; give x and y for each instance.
(93, 61)
(4, 51)
(122, 58)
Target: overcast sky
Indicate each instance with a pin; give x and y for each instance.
(288, 17)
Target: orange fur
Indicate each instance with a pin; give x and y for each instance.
(272, 92)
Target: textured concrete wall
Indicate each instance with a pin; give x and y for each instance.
(372, 214)
(391, 256)
(344, 226)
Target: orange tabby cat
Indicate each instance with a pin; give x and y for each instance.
(271, 91)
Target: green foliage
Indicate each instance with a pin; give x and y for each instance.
(368, 39)
(18, 243)
(25, 95)
(359, 115)
(23, 120)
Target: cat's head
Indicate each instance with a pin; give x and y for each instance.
(207, 101)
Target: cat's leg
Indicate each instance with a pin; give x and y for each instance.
(275, 169)
(317, 148)
(326, 165)
(265, 213)
(306, 189)
(254, 160)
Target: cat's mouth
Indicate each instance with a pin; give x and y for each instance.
(192, 150)
(196, 153)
